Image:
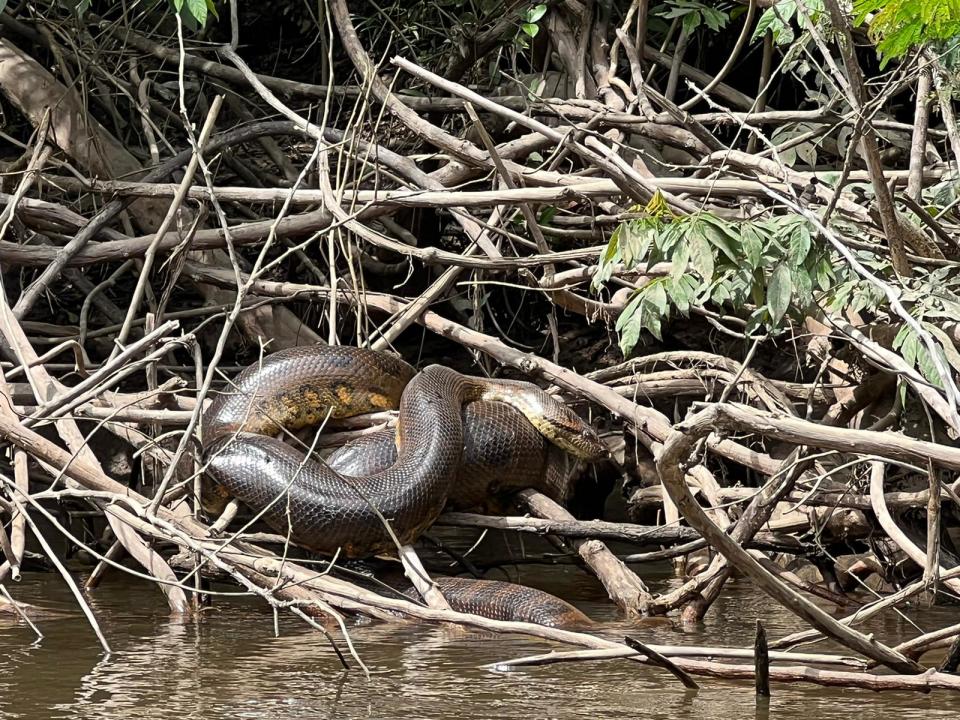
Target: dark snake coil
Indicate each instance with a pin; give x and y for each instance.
(344, 510)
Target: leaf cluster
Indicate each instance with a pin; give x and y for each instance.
(932, 298)
(899, 25)
(694, 14)
(756, 268)
(530, 19)
(780, 18)
(198, 10)
(193, 12)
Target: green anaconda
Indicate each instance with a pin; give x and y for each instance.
(329, 511)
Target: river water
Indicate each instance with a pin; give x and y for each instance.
(232, 665)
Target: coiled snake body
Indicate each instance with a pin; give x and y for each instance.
(329, 512)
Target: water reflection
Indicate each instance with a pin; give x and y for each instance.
(230, 665)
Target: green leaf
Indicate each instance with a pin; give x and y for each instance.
(681, 294)
(657, 297)
(530, 29)
(535, 13)
(742, 282)
(198, 9)
(777, 21)
(668, 236)
(630, 335)
(788, 156)
(901, 335)
(799, 244)
(721, 292)
(756, 320)
(614, 244)
(680, 260)
(863, 298)
(910, 348)
(610, 256)
(778, 293)
(803, 285)
(757, 288)
(652, 323)
(902, 391)
(636, 239)
(752, 243)
(628, 241)
(898, 25)
(720, 234)
(652, 308)
(721, 18)
(807, 152)
(701, 257)
(547, 215)
(825, 274)
(768, 21)
(644, 312)
(946, 344)
(629, 310)
(927, 367)
(714, 19)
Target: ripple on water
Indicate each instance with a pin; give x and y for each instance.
(232, 666)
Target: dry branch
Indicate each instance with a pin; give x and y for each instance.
(416, 194)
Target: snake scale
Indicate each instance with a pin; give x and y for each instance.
(456, 438)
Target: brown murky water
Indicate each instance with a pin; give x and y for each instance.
(231, 665)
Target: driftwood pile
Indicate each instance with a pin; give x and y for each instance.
(169, 214)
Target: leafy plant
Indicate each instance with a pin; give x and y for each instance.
(193, 12)
(530, 19)
(198, 10)
(780, 18)
(805, 152)
(758, 268)
(695, 14)
(943, 193)
(931, 298)
(898, 25)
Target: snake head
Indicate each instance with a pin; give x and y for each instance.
(550, 416)
(572, 433)
(589, 446)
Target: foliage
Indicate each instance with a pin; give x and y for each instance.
(931, 297)
(196, 9)
(695, 14)
(780, 18)
(530, 19)
(765, 270)
(943, 193)
(805, 152)
(898, 25)
(193, 12)
(761, 269)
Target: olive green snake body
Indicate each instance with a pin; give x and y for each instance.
(345, 509)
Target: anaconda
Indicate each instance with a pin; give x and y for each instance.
(330, 512)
